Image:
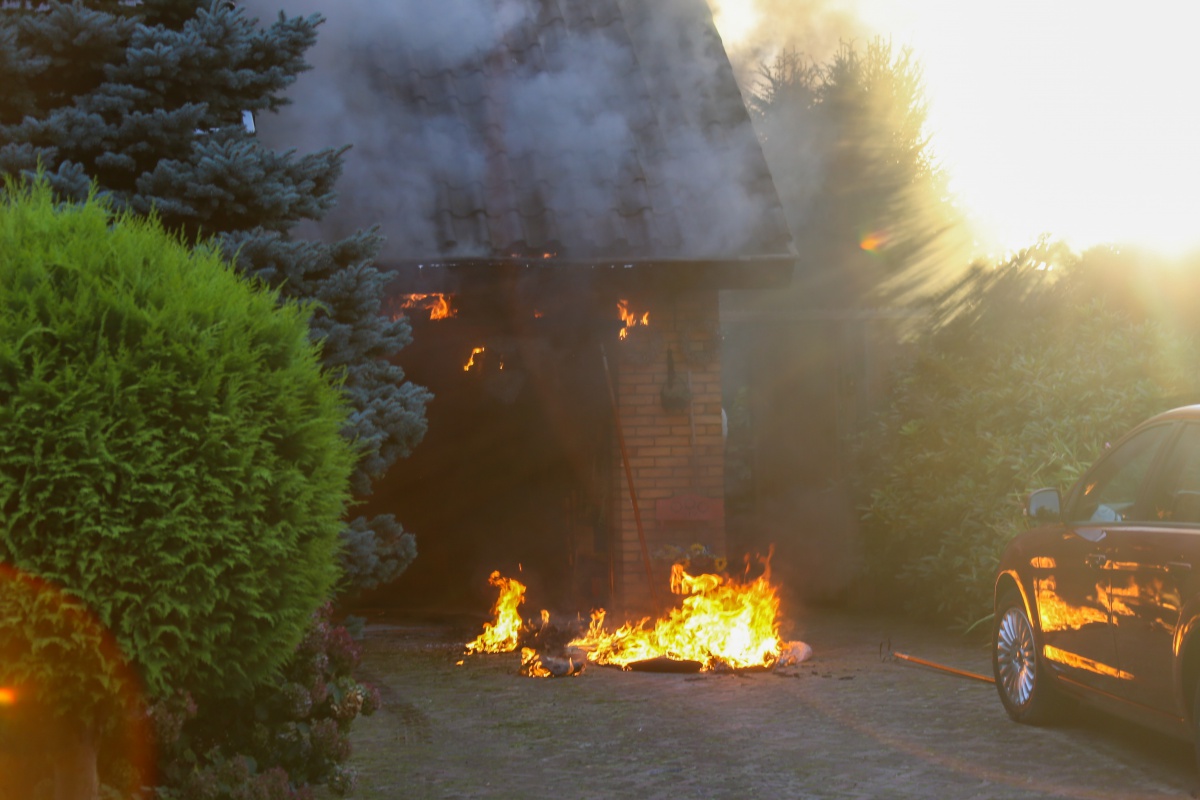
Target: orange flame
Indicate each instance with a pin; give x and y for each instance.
(471, 362)
(535, 665)
(501, 636)
(438, 305)
(629, 318)
(8, 696)
(720, 623)
(532, 665)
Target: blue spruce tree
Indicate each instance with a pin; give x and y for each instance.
(153, 103)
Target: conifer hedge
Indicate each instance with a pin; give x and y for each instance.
(170, 453)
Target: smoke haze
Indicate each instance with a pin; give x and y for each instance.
(593, 125)
(813, 28)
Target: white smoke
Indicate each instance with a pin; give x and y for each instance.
(575, 116)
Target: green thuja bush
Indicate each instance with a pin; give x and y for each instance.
(1028, 369)
(170, 457)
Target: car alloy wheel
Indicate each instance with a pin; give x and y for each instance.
(1025, 687)
(1016, 657)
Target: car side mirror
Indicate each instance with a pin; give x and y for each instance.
(1044, 505)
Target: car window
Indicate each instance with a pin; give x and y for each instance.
(1110, 490)
(1176, 497)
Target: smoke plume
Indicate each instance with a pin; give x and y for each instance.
(603, 116)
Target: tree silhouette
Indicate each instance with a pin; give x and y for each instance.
(153, 102)
(849, 149)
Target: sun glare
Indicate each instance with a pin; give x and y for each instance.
(1073, 118)
(1069, 117)
(735, 19)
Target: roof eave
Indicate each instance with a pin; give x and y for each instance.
(671, 275)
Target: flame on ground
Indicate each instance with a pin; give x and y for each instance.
(720, 623)
(501, 636)
(531, 664)
(629, 318)
(535, 665)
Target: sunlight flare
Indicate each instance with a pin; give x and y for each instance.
(735, 19)
(1068, 118)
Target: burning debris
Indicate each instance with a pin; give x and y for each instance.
(629, 318)
(509, 631)
(536, 665)
(720, 624)
(438, 305)
(794, 654)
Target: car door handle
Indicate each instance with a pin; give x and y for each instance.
(1095, 559)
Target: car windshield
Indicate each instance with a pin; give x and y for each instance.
(1176, 496)
(1110, 490)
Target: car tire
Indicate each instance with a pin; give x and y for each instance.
(1022, 678)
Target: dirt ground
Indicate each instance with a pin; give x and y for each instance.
(849, 723)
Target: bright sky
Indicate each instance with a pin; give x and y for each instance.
(1076, 118)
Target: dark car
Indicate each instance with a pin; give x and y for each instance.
(1101, 601)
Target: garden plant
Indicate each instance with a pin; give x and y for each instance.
(1027, 369)
(152, 106)
(171, 465)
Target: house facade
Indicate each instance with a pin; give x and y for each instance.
(565, 187)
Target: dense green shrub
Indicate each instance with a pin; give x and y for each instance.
(170, 451)
(1028, 370)
(145, 103)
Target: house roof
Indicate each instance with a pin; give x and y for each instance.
(578, 130)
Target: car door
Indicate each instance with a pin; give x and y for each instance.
(1074, 596)
(1150, 570)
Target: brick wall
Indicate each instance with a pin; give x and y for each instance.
(671, 452)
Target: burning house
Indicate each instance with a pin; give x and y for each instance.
(565, 187)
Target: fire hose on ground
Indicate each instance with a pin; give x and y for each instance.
(961, 673)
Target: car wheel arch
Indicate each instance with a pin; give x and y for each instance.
(1021, 675)
(1009, 581)
(1187, 650)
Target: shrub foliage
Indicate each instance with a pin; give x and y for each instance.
(170, 453)
(294, 733)
(145, 102)
(1028, 369)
